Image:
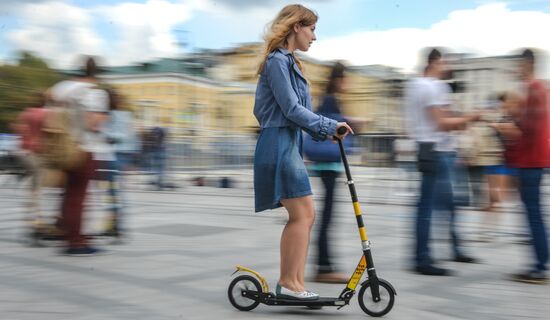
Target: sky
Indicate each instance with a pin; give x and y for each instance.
(361, 32)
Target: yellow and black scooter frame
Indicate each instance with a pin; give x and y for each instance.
(365, 264)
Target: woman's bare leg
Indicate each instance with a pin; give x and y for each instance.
(295, 241)
(495, 186)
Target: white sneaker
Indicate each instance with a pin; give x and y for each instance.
(285, 293)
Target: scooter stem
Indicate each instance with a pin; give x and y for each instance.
(354, 199)
(360, 224)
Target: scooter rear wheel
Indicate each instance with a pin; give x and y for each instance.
(235, 292)
(380, 308)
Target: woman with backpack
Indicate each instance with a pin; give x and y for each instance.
(328, 166)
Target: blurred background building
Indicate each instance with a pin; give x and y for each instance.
(205, 98)
(213, 90)
(477, 79)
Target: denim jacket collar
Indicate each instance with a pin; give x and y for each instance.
(297, 70)
(293, 62)
(284, 51)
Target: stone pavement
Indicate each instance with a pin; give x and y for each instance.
(183, 246)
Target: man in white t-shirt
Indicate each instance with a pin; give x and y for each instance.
(426, 101)
(89, 108)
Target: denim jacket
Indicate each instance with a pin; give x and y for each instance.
(283, 99)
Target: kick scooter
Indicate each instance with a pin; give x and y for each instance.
(376, 295)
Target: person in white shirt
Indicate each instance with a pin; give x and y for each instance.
(428, 122)
(88, 106)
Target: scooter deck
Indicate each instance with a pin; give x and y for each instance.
(322, 301)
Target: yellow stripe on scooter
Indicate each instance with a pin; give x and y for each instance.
(363, 234)
(356, 277)
(357, 208)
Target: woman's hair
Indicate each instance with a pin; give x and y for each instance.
(90, 68)
(114, 99)
(281, 27)
(502, 96)
(336, 73)
(433, 55)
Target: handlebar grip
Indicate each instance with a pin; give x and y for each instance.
(342, 130)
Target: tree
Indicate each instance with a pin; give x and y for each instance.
(22, 84)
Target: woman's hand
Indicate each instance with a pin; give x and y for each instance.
(342, 125)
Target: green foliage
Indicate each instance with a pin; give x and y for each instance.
(21, 86)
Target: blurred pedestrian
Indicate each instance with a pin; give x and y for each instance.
(530, 153)
(487, 150)
(283, 108)
(146, 150)
(508, 132)
(405, 158)
(327, 165)
(88, 107)
(29, 127)
(158, 136)
(121, 131)
(119, 134)
(428, 122)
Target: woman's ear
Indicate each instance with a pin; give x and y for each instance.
(297, 27)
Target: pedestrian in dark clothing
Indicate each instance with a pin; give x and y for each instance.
(327, 165)
(158, 154)
(427, 101)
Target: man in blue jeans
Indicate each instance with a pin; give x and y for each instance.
(159, 155)
(426, 101)
(530, 153)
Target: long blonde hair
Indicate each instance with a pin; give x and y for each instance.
(281, 27)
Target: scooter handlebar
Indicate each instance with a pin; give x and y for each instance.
(342, 130)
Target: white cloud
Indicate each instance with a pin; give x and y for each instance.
(246, 20)
(55, 30)
(61, 32)
(141, 31)
(490, 29)
(145, 30)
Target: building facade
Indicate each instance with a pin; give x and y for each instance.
(182, 96)
(481, 79)
(213, 91)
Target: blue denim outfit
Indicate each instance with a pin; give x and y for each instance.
(436, 192)
(283, 109)
(110, 173)
(529, 189)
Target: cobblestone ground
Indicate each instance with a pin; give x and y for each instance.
(182, 246)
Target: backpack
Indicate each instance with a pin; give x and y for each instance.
(60, 144)
(60, 149)
(324, 151)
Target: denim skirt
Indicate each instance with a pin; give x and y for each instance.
(279, 170)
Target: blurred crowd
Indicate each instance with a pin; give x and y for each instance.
(506, 145)
(80, 130)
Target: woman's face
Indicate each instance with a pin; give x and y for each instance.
(305, 35)
(341, 85)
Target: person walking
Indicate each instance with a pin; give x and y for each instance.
(327, 164)
(88, 107)
(530, 154)
(487, 150)
(28, 126)
(428, 121)
(120, 134)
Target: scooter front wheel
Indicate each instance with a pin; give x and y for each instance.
(380, 308)
(236, 289)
